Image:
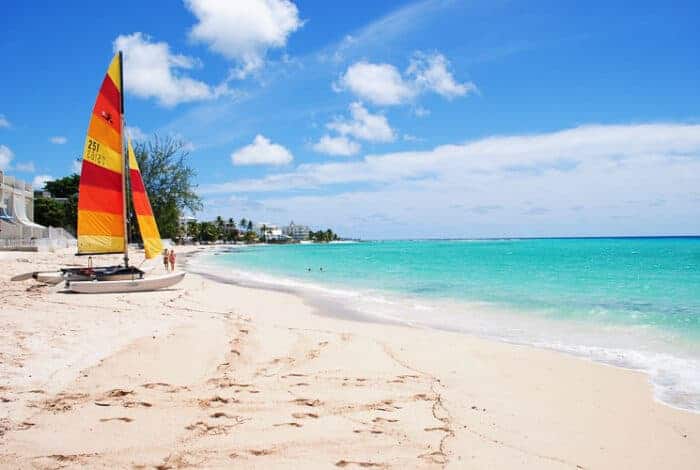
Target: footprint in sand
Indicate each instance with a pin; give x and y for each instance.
(203, 428)
(291, 423)
(119, 393)
(347, 463)
(215, 402)
(64, 402)
(304, 415)
(165, 387)
(121, 418)
(384, 420)
(133, 404)
(307, 402)
(261, 452)
(371, 431)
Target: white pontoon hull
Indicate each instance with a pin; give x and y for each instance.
(135, 285)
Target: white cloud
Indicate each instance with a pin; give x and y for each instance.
(340, 145)
(40, 180)
(58, 140)
(77, 166)
(135, 133)
(261, 152)
(534, 180)
(380, 84)
(151, 71)
(243, 30)
(3, 121)
(383, 84)
(430, 72)
(25, 167)
(420, 111)
(5, 157)
(364, 125)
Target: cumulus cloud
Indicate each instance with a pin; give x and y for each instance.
(261, 152)
(340, 145)
(77, 165)
(27, 167)
(384, 85)
(58, 140)
(5, 157)
(135, 133)
(40, 180)
(152, 71)
(364, 125)
(381, 84)
(449, 190)
(431, 72)
(3, 121)
(243, 30)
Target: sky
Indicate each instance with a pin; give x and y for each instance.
(392, 119)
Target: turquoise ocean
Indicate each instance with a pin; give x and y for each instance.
(629, 302)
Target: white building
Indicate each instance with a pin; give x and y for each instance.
(271, 231)
(297, 232)
(17, 211)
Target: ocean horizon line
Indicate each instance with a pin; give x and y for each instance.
(594, 237)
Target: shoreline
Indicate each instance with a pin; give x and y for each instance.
(329, 301)
(213, 375)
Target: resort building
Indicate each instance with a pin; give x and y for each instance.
(297, 232)
(268, 231)
(17, 210)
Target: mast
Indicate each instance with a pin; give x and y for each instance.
(124, 164)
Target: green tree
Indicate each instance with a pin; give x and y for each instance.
(49, 212)
(220, 227)
(243, 224)
(250, 225)
(207, 232)
(169, 181)
(193, 230)
(63, 187)
(263, 230)
(250, 237)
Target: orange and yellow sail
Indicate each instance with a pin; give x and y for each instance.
(142, 207)
(101, 203)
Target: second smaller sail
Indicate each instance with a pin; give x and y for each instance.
(152, 243)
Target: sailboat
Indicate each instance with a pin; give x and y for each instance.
(103, 224)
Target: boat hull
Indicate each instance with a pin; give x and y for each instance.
(130, 285)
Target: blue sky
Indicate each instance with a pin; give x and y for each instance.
(383, 119)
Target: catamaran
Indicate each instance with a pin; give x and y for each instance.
(103, 225)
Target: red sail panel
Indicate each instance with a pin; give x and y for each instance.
(101, 197)
(152, 243)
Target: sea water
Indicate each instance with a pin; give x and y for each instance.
(630, 302)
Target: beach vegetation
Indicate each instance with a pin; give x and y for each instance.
(169, 181)
(61, 209)
(323, 236)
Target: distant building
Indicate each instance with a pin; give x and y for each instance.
(268, 231)
(17, 211)
(297, 232)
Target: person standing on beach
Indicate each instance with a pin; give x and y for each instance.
(172, 260)
(166, 259)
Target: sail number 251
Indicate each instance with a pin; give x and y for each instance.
(93, 152)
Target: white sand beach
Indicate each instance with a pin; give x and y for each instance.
(213, 375)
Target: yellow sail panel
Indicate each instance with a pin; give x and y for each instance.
(101, 193)
(152, 243)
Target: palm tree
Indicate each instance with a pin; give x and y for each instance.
(219, 227)
(243, 223)
(263, 232)
(250, 225)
